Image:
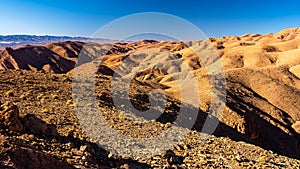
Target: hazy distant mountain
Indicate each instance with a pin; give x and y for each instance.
(21, 40)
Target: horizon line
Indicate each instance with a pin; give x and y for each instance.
(82, 36)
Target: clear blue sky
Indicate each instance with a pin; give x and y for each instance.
(83, 18)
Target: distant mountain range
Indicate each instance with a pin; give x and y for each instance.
(21, 40)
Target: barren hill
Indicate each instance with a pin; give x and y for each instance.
(36, 58)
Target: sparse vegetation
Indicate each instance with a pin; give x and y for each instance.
(270, 49)
(45, 110)
(40, 96)
(121, 115)
(69, 102)
(9, 93)
(54, 96)
(23, 96)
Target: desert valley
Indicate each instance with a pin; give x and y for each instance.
(258, 128)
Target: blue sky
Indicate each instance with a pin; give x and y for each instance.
(83, 18)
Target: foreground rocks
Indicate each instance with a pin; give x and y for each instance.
(25, 150)
(40, 130)
(9, 117)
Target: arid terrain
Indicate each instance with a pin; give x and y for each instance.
(259, 126)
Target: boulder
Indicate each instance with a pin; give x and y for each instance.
(9, 117)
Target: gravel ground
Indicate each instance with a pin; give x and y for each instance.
(47, 97)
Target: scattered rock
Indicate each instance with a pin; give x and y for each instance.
(38, 127)
(296, 126)
(9, 117)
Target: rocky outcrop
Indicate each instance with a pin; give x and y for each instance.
(9, 117)
(23, 156)
(38, 127)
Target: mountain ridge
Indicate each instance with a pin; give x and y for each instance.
(22, 40)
